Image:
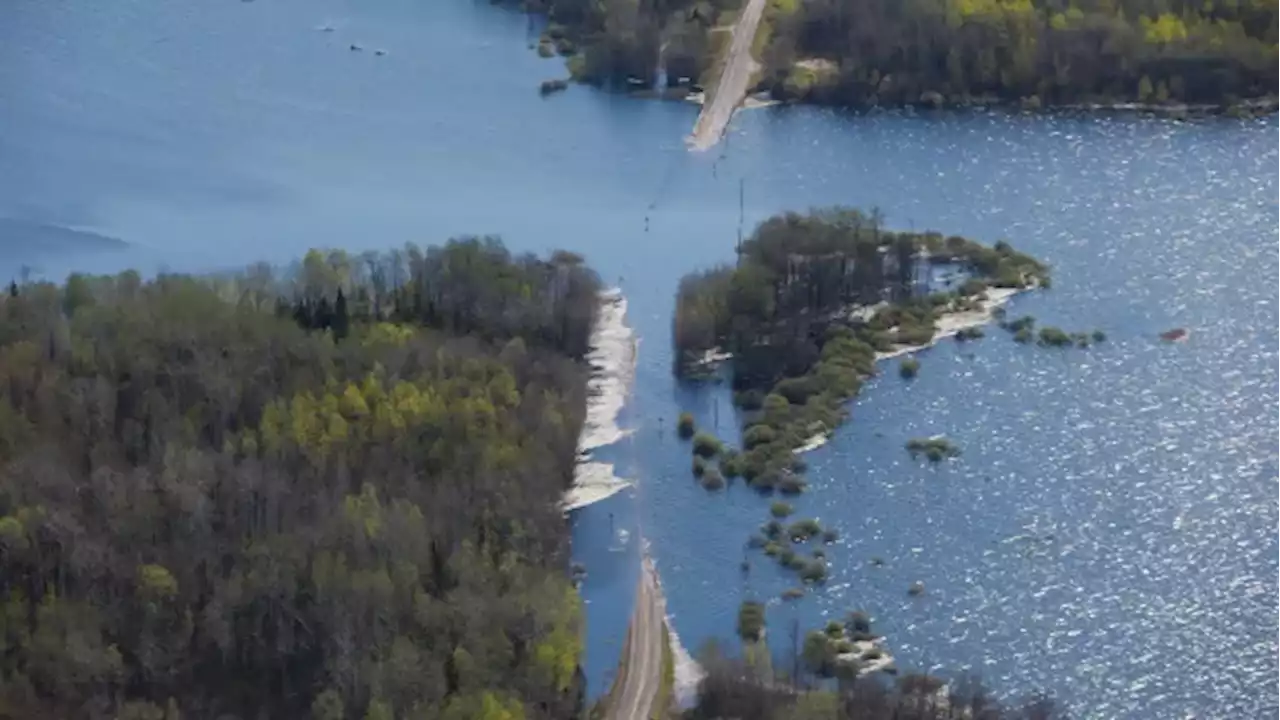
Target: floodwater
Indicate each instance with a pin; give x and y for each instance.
(1109, 534)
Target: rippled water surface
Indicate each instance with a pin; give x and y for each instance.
(1109, 533)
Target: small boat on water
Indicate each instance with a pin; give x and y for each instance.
(1174, 335)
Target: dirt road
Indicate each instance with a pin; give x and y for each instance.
(732, 87)
(641, 673)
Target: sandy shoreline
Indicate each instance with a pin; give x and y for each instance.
(613, 360)
(949, 325)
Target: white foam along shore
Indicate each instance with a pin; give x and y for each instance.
(613, 360)
(949, 325)
(688, 673)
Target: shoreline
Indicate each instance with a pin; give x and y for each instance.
(688, 673)
(949, 325)
(612, 358)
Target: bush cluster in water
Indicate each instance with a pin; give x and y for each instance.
(935, 449)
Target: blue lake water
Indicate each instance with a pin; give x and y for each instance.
(213, 134)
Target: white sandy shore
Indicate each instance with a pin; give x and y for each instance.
(948, 326)
(613, 360)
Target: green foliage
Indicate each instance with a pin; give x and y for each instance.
(1055, 337)
(793, 593)
(712, 479)
(935, 449)
(757, 435)
(751, 621)
(780, 509)
(830, 535)
(909, 367)
(730, 464)
(699, 466)
(685, 425)
(706, 445)
(802, 530)
(329, 494)
(1023, 336)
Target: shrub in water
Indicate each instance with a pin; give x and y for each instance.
(712, 479)
(801, 530)
(1022, 335)
(772, 549)
(1054, 337)
(749, 399)
(552, 86)
(1099, 336)
(755, 542)
(909, 367)
(780, 509)
(834, 629)
(772, 529)
(730, 464)
(791, 485)
(829, 536)
(793, 593)
(750, 621)
(706, 444)
(758, 435)
(685, 425)
(859, 621)
(814, 571)
(799, 464)
(699, 466)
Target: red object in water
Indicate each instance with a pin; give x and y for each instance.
(1174, 335)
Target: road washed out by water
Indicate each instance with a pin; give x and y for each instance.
(1107, 535)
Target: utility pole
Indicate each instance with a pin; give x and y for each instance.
(742, 184)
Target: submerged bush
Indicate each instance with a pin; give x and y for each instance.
(1023, 335)
(804, 529)
(685, 425)
(706, 445)
(757, 435)
(909, 367)
(750, 621)
(791, 485)
(780, 509)
(814, 571)
(1054, 337)
(699, 466)
(935, 449)
(830, 535)
(552, 86)
(793, 593)
(1099, 336)
(712, 479)
(730, 464)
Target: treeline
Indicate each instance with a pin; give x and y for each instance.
(935, 52)
(331, 494)
(627, 43)
(810, 302)
(746, 690)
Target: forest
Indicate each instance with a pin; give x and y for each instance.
(329, 493)
(931, 53)
(811, 301)
(1052, 52)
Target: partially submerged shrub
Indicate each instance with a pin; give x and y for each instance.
(830, 535)
(730, 464)
(1054, 337)
(757, 435)
(773, 548)
(814, 571)
(699, 466)
(772, 529)
(802, 530)
(935, 449)
(792, 485)
(780, 509)
(685, 425)
(750, 621)
(712, 479)
(909, 367)
(706, 444)
(1099, 336)
(1022, 336)
(793, 593)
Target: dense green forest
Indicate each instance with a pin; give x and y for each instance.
(896, 52)
(331, 493)
(626, 43)
(811, 300)
(937, 52)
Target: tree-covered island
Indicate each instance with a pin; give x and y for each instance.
(812, 302)
(327, 495)
(930, 53)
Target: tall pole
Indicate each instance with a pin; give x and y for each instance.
(742, 182)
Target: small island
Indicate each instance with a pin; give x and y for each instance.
(813, 302)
